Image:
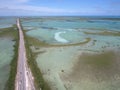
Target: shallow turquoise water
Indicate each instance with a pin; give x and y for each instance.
(6, 51)
(7, 21)
(62, 67)
(72, 29)
(6, 54)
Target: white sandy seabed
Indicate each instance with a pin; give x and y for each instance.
(59, 38)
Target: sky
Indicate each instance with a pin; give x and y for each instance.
(59, 7)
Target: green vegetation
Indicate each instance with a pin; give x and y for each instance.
(103, 59)
(38, 42)
(11, 32)
(31, 56)
(106, 33)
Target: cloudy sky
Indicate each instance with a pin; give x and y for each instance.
(59, 7)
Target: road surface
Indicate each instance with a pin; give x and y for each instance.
(24, 78)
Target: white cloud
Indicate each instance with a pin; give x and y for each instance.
(39, 9)
(21, 9)
(24, 9)
(22, 5)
